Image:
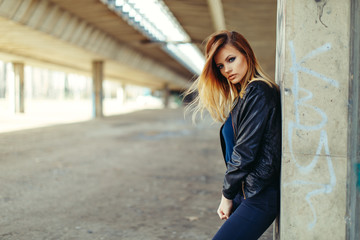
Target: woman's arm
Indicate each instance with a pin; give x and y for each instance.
(258, 105)
(225, 208)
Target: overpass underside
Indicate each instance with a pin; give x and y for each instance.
(43, 34)
(91, 38)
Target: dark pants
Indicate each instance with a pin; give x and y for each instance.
(252, 216)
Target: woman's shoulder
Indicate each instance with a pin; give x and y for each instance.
(261, 85)
(262, 89)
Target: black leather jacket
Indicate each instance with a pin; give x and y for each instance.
(256, 157)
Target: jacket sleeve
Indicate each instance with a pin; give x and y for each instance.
(253, 118)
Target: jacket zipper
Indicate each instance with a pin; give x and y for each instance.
(243, 189)
(242, 183)
(232, 123)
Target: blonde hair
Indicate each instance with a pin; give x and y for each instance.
(214, 92)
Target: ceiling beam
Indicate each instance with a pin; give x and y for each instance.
(71, 41)
(217, 14)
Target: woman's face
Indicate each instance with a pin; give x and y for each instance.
(231, 63)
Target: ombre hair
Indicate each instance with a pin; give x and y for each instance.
(213, 91)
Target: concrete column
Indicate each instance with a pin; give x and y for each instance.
(353, 181)
(125, 95)
(19, 86)
(316, 74)
(166, 95)
(3, 80)
(97, 92)
(121, 94)
(66, 86)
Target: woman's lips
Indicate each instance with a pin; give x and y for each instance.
(232, 76)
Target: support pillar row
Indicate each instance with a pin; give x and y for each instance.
(19, 87)
(166, 95)
(97, 91)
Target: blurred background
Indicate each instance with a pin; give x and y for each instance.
(94, 143)
(55, 97)
(63, 61)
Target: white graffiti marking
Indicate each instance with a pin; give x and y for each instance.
(321, 188)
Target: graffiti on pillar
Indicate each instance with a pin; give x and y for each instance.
(322, 146)
(320, 9)
(358, 176)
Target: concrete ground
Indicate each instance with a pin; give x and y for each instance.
(146, 175)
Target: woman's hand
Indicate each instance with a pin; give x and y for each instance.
(225, 208)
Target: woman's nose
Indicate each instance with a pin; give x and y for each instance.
(227, 69)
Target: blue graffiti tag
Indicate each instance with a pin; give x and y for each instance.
(322, 149)
(358, 175)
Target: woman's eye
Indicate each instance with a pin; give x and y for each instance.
(232, 59)
(220, 66)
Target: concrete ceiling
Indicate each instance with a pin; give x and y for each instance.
(69, 35)
(96, 13)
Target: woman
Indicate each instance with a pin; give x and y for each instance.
(234, 90)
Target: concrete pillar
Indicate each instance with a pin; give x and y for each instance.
(66, 86)
(315, 69)
(19, 86)
(125, 95)
(353, 181)
(2, 80)
(29, 82)
(121, 94)
(97, 92)
(166, 95)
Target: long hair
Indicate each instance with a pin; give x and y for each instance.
(213, 91)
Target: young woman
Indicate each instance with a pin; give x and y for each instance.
(234, 90)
